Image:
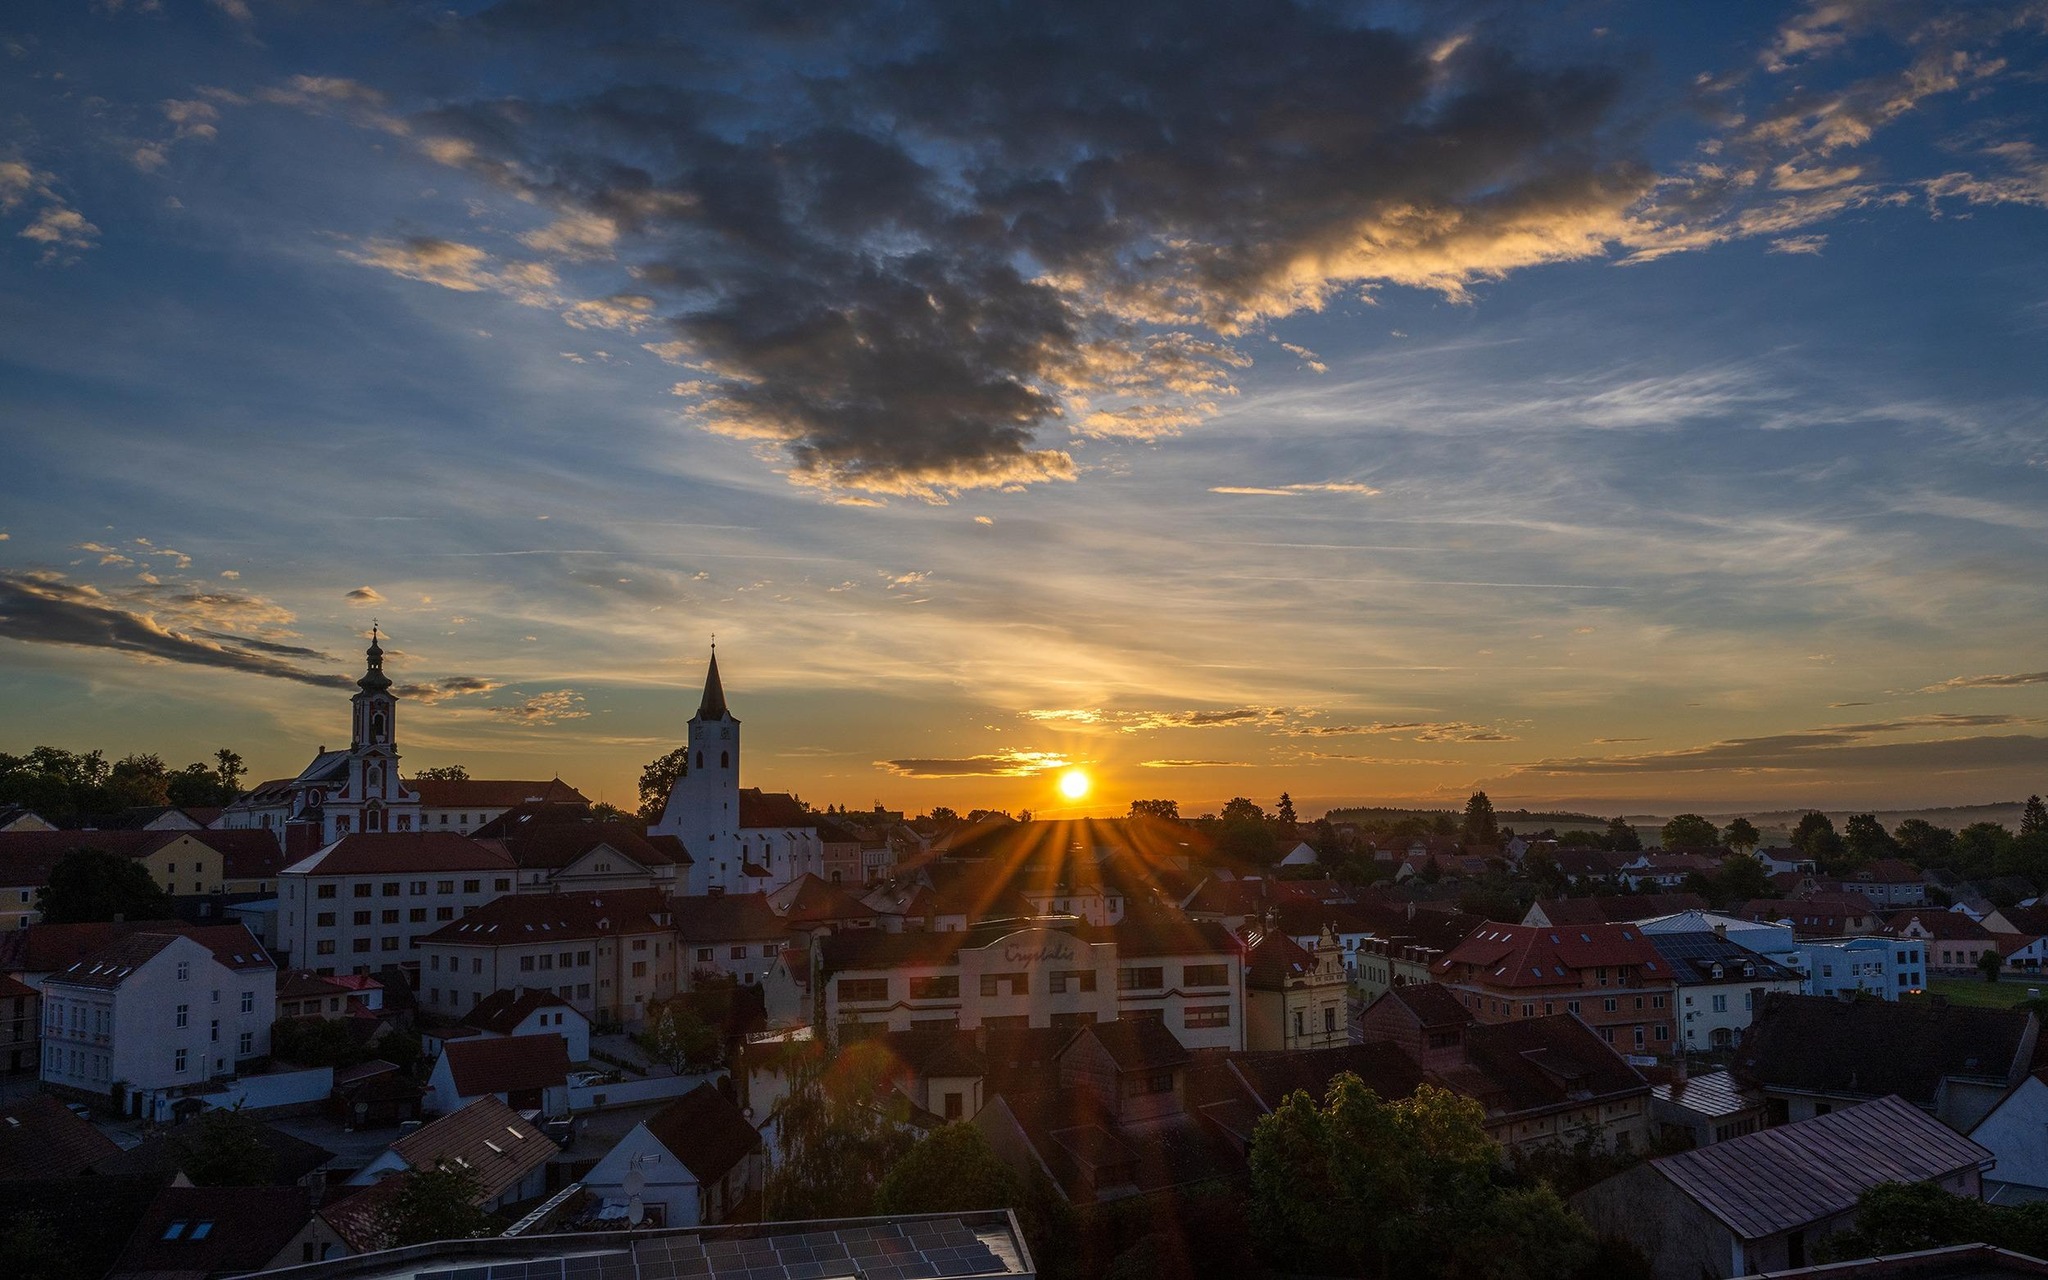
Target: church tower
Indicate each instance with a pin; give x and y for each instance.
(704, 807)
(371, 797)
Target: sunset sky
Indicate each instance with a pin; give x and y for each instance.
(1622, 405)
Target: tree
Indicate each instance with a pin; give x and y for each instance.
(1285, 812)
(1923, 843)
(1864, 838)
(92, 884)
(137, 781)
(679, 1036)
(1245, 833)
(1895, 1217)
(449, 773)
(1358, 1186)
(195, 785)
(1689, 831)
(37, 1250)
(1622, 838)
(658, 778)
(434, 1204)
(1983, 849)
(1480, 825)
(225, 1148)
(1815, 838)
(1739, 879)
(941, 813)
(950, 1170)
(1741, 835)
(840, 1129)
(228, 767)
(1990, 964)
(1168, 810)
(2034, 818)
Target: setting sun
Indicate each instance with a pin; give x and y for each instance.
(1073, 784)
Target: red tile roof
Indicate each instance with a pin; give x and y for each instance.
(200, 1231)
(115, 949)
(398, 852)
(41, 1138)
(1520, 955)
(1951, 925)
(501, 1012)
(518, 919)
(490, 793)
(760, 808)
(247, 853)
(509, 1065)
(706, 1131)
(486, 1137)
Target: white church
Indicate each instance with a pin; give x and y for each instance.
(739, 841)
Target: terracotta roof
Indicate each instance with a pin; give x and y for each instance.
(933, 1053)
(808, 900)
(501, 1012)
(399, 852)
(1887, 871)
(1275, 959)
(246, 853)
(357, 1218)
(302, 984)
(1517, 955)
(1613, 908)
(508, 1065)
(1533, 1063)
(486, 1137)
(1075, 1137)
(199, 1231)
(556, 845)
(760, 808)
(706, 1131)
(41, 1138)
(109, 966)
(1139, 1044)
(28, 857)
(727, 917)
(1432, 1003)
(1949, 925)
(517, 919)
(491, 793)
(1871, 1048)
(1780, 1179)
(2028, 920)
(1815, 916)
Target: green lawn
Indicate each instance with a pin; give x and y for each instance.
(1995, 995)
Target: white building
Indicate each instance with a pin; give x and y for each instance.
(688, 1165)
(608, 955)
(1720, 986)
(154, 1016)
(1844, 967)
(737, 842)
(521, 1012)
(1772, 941)
(366, 901)
(1035, 973)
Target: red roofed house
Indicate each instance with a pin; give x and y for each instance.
(507, 1155)
(1294, 998)
(524, 1072)
(367, 900)
(609, 955)
(1607, 974)
(1955, 942)
(151, 1018)
(689, 1165)
(1819, 915)
(523, 1012)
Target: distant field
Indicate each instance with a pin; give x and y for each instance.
(2002, 994)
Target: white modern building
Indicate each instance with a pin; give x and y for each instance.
(737, 842)
(366, 901)
(1845, 967)
(1720, 987)
(154, 1016)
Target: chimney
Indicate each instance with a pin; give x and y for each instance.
(1721, 930)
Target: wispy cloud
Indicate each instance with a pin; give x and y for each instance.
(544, 709)
(1987, 682)
(1001, 764)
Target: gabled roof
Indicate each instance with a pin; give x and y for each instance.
(556, 845)
(1614, 908)
(1275, 959)
(1784, 1178)
(304, 984)
(1518, 955)
(704, 1130)
(727, 917)
(401, 852)
(246, 853)
(41, 1138)
(110, 965)
(28, 857)
(808, 900)
(1694, 957)
(1887, 871)
(512, 1064)
(933, 1053)
(1432, 1003)
(163, 1154)
(1275, 1075)
(772, 809)
(486, 1137)
(1139, 1044)
(357, 1215)
(524, 918)
(198, 1231)
(1951, 926)
(1717, 1094)
(1871, 1048)
(491, 793)
(501, 1012)
(1532, 1063)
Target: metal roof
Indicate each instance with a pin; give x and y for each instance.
(1764, 1183)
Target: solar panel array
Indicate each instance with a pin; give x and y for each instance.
(925, 1249)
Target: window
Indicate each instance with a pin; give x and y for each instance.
(1658, 1002)
(323, 891)
(324, 920)
(391, 888)
(363, 890)
(184, 1016)
(444, 886)
(360, 944)
(434, 963)
(178, 1060)
(1067, 980)
(738, 953)
(418, 915)
(1157, 1082)
(213, 1031)
(1213, 1015)
(864, 988)
(418, 889)
(502, 884)
(582, 957)
(942, 987)
(390, 943)
(704, 955)
(184, 970)
(1329, 1020)
(472, 886)
(391, 916)
(953, 1106)
(476, 966)
(547, 961)
(248, 1002)
(1720, 1004)
(767, 951)
(324, 947)
(992, 984)
(639, 968)
(1299, 1023)
(1610, 1004)
(360, 917)
(1571, 1006)
(1145, 978)
(526, 964)
(1206, 975)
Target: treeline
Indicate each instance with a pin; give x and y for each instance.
(64, 786)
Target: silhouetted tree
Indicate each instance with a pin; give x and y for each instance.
(1815, 838)
(1622, 838)
(1285, 812)
(1689, 831)
(1925, 844)
(435, 1204)
(1864, 838)
(225, 1148)
(1741, 835)
(1167, 809)
(91, 884)
(658, 778)
(447, 773)
(1480, 825)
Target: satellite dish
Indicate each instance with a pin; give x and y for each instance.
(634, 1182)
(636, 1213)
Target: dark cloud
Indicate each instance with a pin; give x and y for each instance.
(1836, 747)
(432, 691)
(1194, 764)
(1002, 764)
(268, 646)
(46, 609)
(1988, 682)
(1410, 730)
(958, 228)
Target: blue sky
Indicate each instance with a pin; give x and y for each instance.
(1594, 403)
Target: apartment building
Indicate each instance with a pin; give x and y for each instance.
(367, 900)
(1609, 975)
(608, 955)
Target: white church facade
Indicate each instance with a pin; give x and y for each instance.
(739, 841)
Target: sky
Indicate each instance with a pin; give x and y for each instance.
(1621, 406)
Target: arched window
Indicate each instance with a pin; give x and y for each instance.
(724, 760)
(377, 727)
(700, 759)
(375, 778)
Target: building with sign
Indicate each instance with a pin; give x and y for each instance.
(1053, 971)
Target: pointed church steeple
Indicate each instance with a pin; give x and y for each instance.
(713, 706)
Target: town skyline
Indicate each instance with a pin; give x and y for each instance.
(1679, 447)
